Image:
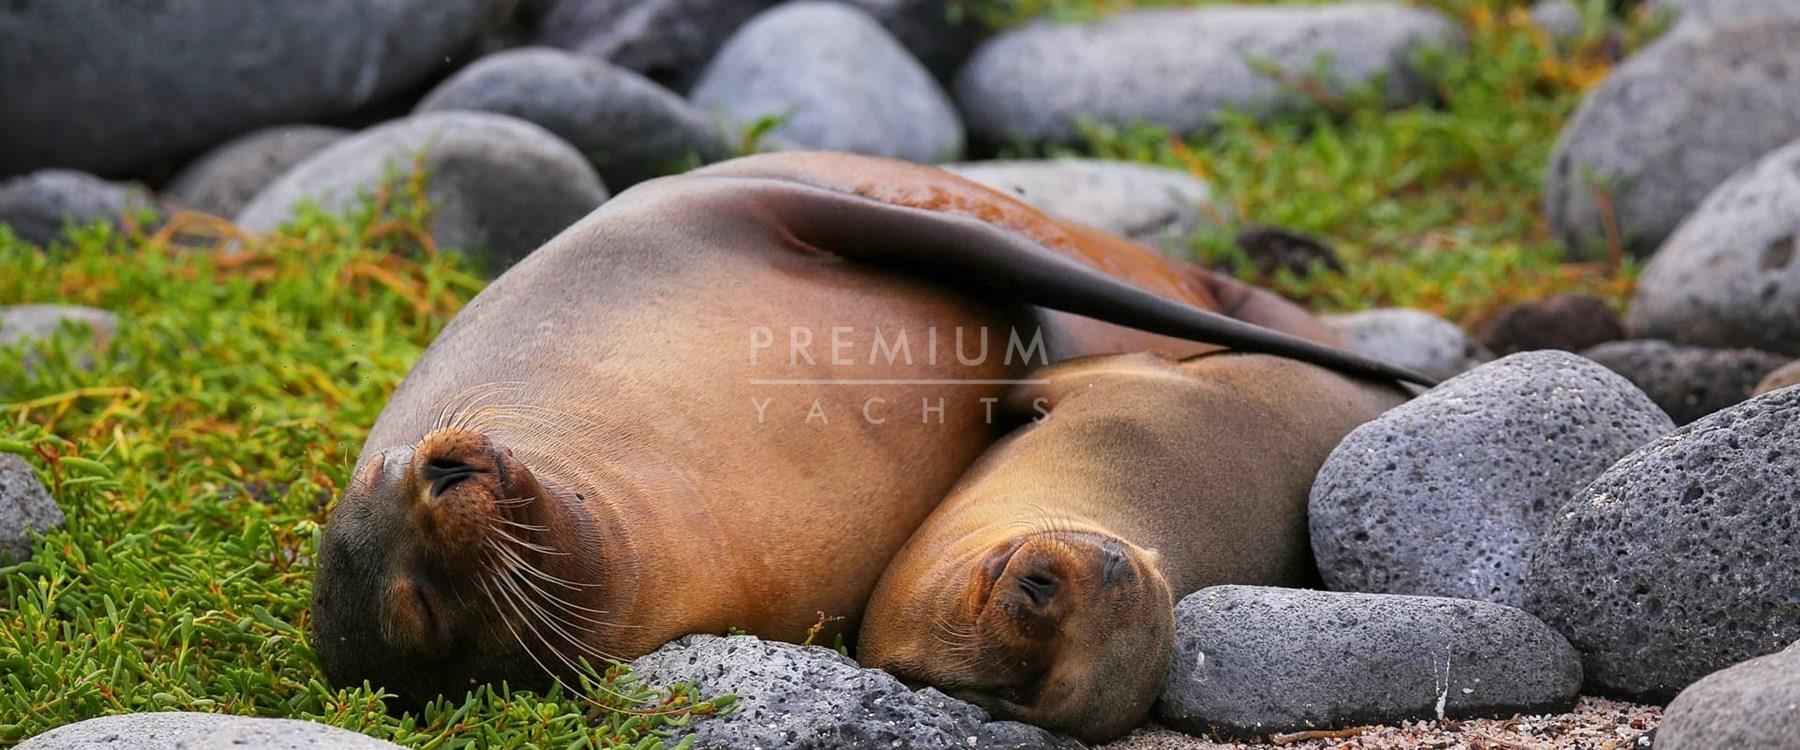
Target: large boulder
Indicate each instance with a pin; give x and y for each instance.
(1252, 661)
(225, 179)
(25, 509)
(1751, 706)
(197, 731)
(1684, 557)
(668, 41)
(39, 205)
(1157, 206)
(1183, 68)
(1667, 127)
(1730, 276)
(836, 80)
(628, 126)
(1446, 495)
(809, 697)
(112, 88)
(1413, 339)
(499, 186)
(1688, 382)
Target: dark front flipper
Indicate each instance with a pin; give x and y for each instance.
(988, 259)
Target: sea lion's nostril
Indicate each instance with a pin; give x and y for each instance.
(444, 473)
(1040, 588)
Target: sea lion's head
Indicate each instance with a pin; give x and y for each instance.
(447, 563)
(1025, 626)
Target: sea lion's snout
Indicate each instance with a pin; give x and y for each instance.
(439, 562)
(1056, 613)
(467, 495)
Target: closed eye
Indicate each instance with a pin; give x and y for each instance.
(1113, 569)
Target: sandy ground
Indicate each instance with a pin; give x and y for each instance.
(1595, 724)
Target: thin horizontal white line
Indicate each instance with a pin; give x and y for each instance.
(853, 381)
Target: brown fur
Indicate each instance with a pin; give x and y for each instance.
(609, 486)
(1191, 474)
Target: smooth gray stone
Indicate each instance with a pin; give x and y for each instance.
(1754, 705)
(1157, 206)
(1252, 661)
(25, 508)
(19, 323)
(1693, 16)
(629, 127)
(1729, 277)
(837, 79)
(39, 205)
(224, 179)
(198, 731)
(499, 186)
(1671, 123)
(1410, 338)
(1183, 68)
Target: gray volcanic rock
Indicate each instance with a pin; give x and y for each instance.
(1684, 557)
(1413, 339)
(37, 206)
(1668, 126)
(837, 79)
(1729, 276)
(1182, 68)
(1754, 705)
(668, 41)
(808, 697)
(1447, 495)
(25, 508)
(197, 731)
(225, 179)
(1154, 205)
(111, 88)
(500, 186)
(1252, 661)
(630, 128)
(1688, 382)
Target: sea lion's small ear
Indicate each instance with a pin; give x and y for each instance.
(1048, 386)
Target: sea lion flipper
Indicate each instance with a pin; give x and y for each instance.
(966, 252)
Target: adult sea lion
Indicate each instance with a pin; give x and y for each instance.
(625, 438)
(1043, 588)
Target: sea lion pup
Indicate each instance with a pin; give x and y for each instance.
(625, 439)
(1043, 588)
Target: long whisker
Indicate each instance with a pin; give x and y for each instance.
(513, 556)
(556, 622)
(533, 546)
